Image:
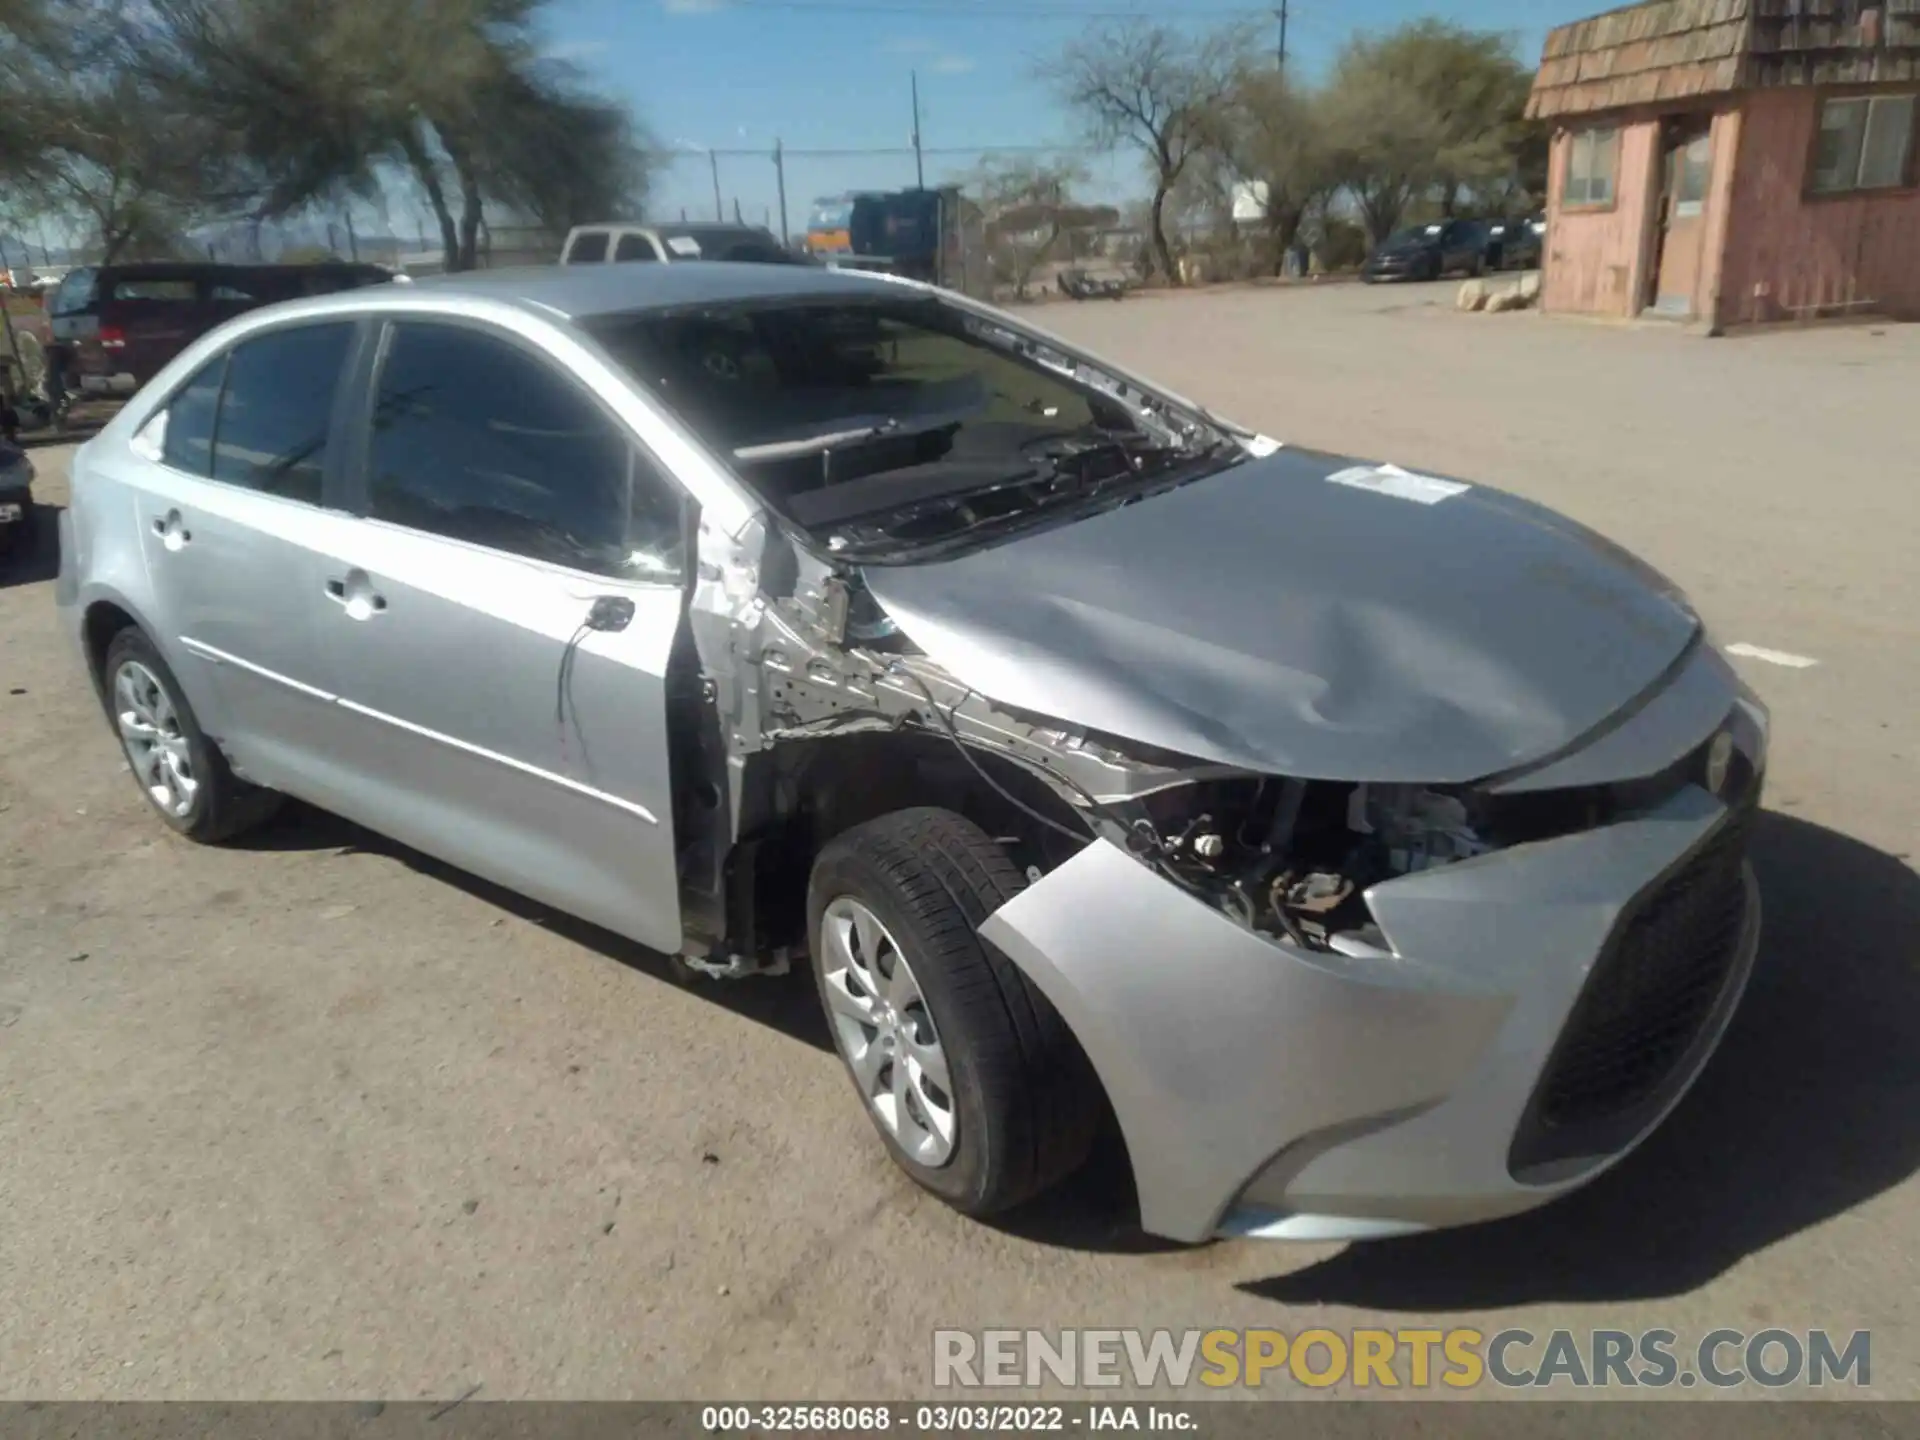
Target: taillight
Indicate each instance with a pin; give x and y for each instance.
(112, 337)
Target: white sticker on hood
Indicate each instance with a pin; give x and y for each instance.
(1401, 484)
(683, 245)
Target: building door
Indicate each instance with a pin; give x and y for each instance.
(1686, 171)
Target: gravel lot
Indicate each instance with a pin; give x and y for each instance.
(316, 1117)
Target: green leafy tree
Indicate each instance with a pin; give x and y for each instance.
(85, 136)
(326, 99)
(1428, 110)
(1270, 134)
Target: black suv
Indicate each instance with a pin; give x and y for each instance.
(114, 320)
(1427, 252)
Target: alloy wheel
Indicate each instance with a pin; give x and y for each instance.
(157, 748)
(886, 1033)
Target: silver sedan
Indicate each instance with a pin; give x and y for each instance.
(1367, 843)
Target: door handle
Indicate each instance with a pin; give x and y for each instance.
(354, 592)
(172, 530)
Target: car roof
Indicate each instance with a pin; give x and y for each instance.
(581, 292)
(670, 227)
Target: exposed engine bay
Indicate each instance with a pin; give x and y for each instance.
(1289, 859)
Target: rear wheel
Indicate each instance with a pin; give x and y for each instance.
(181, 772)
(976, 1086)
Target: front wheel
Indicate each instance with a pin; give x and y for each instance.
(976, 1086)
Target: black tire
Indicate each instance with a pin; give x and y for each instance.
(1026, 1103)
(223, 805)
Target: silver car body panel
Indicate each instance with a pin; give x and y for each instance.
(1264, 1089)
(431, 719)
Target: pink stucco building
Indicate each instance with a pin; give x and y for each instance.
(1734, 162)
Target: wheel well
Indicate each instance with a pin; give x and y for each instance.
(799, 796)
(102, 622)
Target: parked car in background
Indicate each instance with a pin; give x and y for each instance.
(1372, 843)
(124, 322)
(16, 495)
(665, 244)
(1516, 244)
(1427, 252)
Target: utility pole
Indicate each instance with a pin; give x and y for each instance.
(1283, 34)
(13, 341)
(353, 240)
(719, 210)
(780, 178)
(919, 162)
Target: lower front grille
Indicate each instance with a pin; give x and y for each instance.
(1644, 1005)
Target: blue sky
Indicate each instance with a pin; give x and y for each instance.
(834, 75)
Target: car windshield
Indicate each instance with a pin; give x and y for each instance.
(1414, 233)
(889, 426)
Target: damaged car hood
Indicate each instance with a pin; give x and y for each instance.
(1310, 616)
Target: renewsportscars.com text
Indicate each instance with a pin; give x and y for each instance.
(1410, 1359)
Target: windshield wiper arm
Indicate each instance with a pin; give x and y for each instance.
(815, 444)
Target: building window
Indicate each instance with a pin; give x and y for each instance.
(1593, 159)
(1865, 144)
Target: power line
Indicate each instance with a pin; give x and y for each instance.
(875, 152)
(955, 9)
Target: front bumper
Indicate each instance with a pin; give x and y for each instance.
(1269, 1091)
(1410, 267)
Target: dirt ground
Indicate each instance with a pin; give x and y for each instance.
(315, 1117)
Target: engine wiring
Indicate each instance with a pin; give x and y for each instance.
(953, 734)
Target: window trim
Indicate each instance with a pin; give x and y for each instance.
(1592, 207)
(1910, 178)
(333, 494)
(364, 386)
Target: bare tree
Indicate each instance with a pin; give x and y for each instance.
(1030, 213)
(1156, 89)
(1269, 136)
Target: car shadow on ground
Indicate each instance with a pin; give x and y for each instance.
(1811, 1107)
(33, 557)
(1095, 1210)
(785, 1003)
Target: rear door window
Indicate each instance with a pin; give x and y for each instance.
(634, 248)
(588, 249)
(276, 411)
